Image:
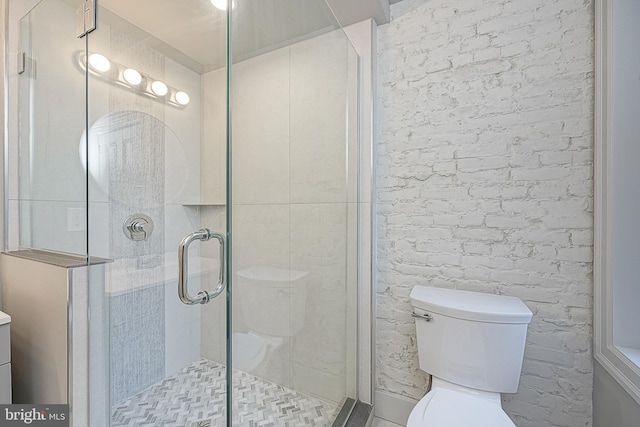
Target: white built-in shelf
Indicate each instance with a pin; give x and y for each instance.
(198, 205)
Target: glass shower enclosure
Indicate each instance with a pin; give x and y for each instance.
(201, 156)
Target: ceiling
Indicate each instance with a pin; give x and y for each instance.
(350, 11)
(193, 32)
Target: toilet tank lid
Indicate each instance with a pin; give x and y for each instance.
(4, 318)
(468, 305)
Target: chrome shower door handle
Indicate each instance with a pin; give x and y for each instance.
(203, 297)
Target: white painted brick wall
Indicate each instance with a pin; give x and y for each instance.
(485, 183)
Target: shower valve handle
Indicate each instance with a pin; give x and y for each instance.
(138, 227)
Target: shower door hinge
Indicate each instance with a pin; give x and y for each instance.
(22, 62)
(26, 65)
(86, 18)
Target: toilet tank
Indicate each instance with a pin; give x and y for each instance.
(472, 339)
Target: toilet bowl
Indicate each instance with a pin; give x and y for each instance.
(473, 345)
(449, 406)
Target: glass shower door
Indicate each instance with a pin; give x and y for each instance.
(155, 168)
(292, 204)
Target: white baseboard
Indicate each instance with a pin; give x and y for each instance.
(393, 407)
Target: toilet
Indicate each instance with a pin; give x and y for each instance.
(472, 344)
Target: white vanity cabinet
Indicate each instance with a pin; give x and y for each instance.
(5, 359)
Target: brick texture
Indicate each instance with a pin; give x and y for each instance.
(485, 183)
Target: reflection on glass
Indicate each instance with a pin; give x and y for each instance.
(159, 88)
(132, 76)
(120, 144)
(99, 62)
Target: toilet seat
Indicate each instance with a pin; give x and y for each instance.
(448, 408)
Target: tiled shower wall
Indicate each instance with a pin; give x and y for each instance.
(485, 183)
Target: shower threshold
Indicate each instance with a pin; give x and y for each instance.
(196, 397)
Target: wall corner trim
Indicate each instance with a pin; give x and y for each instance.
(625, 372)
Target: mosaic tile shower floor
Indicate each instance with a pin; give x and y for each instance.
(195, 397)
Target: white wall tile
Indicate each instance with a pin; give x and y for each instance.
(213, 330)
(319, 247)
(182, 137)
(99, 229)
(260, 114)
(319, 93)
(213, 165)
(261, 236)
(261, 239)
